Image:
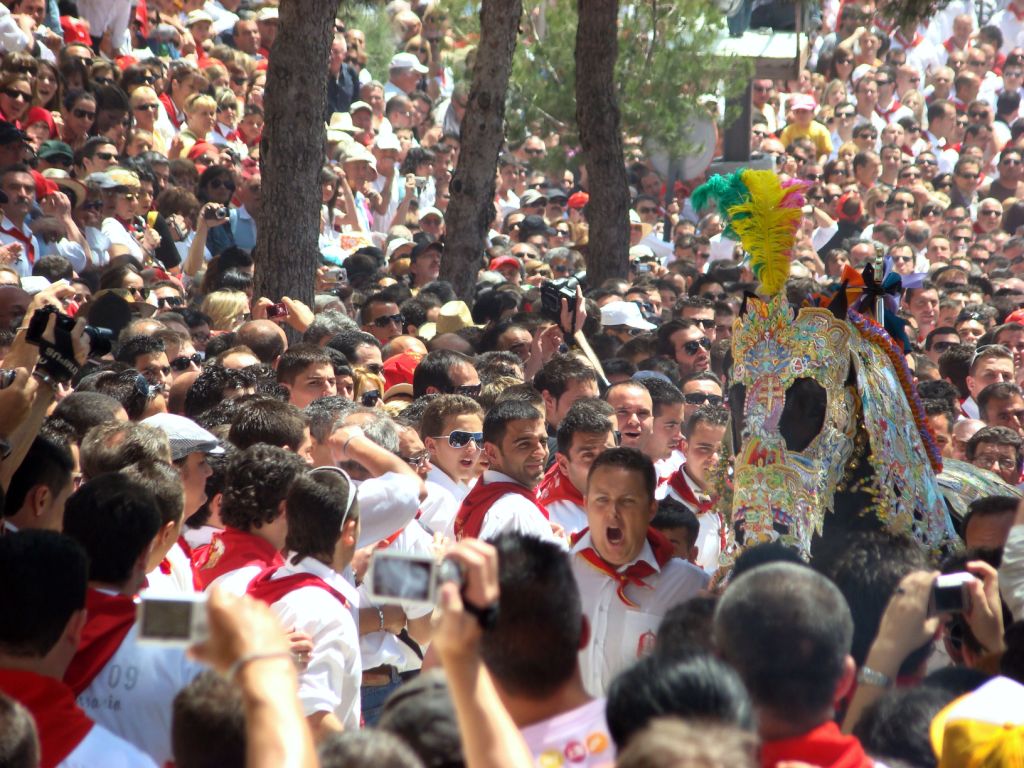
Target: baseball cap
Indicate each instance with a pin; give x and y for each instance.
(802, 101)
(431, 211)
(578, 199)
(504, 261)
(267, 14)
(100, 180)
(197, 17)
(534, 225)
(122, 177)
(387, 141)
(531, 197)
(407, 61)
(624, 313)
(399, 369)
(358, 105)
(395, 245)
(556, 194)
(184, 435)
(422, 248)
(54, 148)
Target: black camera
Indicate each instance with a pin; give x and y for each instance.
(553, 291)
(212, 214)
(101, 340)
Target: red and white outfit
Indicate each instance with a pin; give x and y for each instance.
(233, 559)
(30, 249)
(562, 500)
(312, 597)
(124, 686)
(67, 737)
(174, 575)
(497, 504)
(711, 536)
(625, 605)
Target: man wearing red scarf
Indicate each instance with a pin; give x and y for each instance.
(625, 570)
(255, 488)
(43, 604)
(19, 191)
(124, 685)
(516, 446)
(585, 430)
(757, 623)
(702, 443)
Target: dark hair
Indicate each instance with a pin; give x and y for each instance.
(47, 463)
(896, 728)
(135, 346)
(755, 623)
(368, 747)
(164, 482)
(713, 415)
(590, 416)
(257, 481)
(85, 410)
(45, 576)
(212, 385)
(316, 508)
(559, 372)
(997, 436)
(266, 420)
(532, 649)
(630, 459)
(699, 687)
(663, 393)
(296, 359)
(1000, 390)
(988, 506)
(208, 724)
(497, 419)
(685, 629)
(434, 371)
(441, 407)
(421, 713)
(672, 514)
(323, 412)
(113, 445)
(114, 518)
(348, 341)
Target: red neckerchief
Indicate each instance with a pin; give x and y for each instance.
(165, 567)
(25, 240)
(950, 45)
(633, 574)
(230, 550)
(268, 589)
(907, 45)
(187, 549)
(172, 111)
(385, 543)
(886, 112)
(231, 136)
(60, 722)
(556, 486)
(470, 518)
(678, 483)
(108, 619)
(824, 746)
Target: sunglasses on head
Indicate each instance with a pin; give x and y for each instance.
(185, 361)
(699, 398)
(692, 347)
(459, 438)
(385, 320)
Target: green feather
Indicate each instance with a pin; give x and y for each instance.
(727, 192)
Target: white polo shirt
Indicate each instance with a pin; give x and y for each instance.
(101, 747)
(132, 695)
(619, 634)
(514, 513)
(568, 514)
(331, 680)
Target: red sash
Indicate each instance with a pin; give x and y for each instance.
(678, 483)
(268, 589)
(230, 550)
(824, 746)
(108, 620)
(61, 723)
(470, 518)
(556, 486)
(25, 240)
(887, 112)
(635, 573)
(172, 111)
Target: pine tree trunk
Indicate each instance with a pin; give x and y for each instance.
(292, 151)
(471, 208)
(597, 117)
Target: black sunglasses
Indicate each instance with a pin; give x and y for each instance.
(699, 398)
(182, 363)
(691, 347)
(218, 184)
(469, 390)
(385, 320)
(170, 301)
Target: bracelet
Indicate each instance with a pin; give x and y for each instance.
(344, 446)
(380, 615)
(46, 379)
(236, 667)
(869, 676)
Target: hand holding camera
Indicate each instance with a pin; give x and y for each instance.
(64, 343)
(214, 214)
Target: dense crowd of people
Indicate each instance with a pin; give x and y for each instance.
(168, 438)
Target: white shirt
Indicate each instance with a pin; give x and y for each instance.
(970, 408)
(386, 503)
(331, 680)
(22, 265)
(101, 747)
(179, 581)
(235, 582)
(619, 635)
(512, 512)
(568, 514)
(1011, 572)
(119, 235)
(709, 537)
(383, 648)
(580, 736)
(132, 695)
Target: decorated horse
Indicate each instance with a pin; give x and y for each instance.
(829, 433)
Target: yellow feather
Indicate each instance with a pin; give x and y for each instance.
(766, 225)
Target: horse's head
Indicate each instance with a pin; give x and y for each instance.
(794, 412)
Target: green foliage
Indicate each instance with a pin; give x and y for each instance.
(664, 65)
(381, 43)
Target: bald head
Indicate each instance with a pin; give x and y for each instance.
(401, 344)
(265, 338)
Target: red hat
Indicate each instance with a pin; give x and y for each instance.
(578, 199)
(74, 31)
(44, 186)
(398, 369)
(40, 115)
(848, 207)
(199, 149)
(1017, 316)
(504, 261)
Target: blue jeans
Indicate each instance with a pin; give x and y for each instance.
(372, 697)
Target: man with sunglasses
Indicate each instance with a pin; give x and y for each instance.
(938, 341)
(689, 485)
(1008, 182)
(381, 318)
(148, 356)
(452, 432)
(504, 499)
(699, 310)
(688, 344)
(444, 371)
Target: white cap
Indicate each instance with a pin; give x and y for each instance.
(624, 313)
(386, 141)
(641, 252)
(267, 14)
(431, 211)
(395, 245)
(184, 435)
(407, 61)
(196, 17)
(355, 106)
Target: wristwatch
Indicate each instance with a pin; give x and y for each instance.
(869, 676)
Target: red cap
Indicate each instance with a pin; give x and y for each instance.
(44, 186)
(40, 115)
(398, 369)
(578, 199)
(74, 31)
(199, 149)
(1017, 316)
(504, 261)
(846, 201)
(123, 62)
